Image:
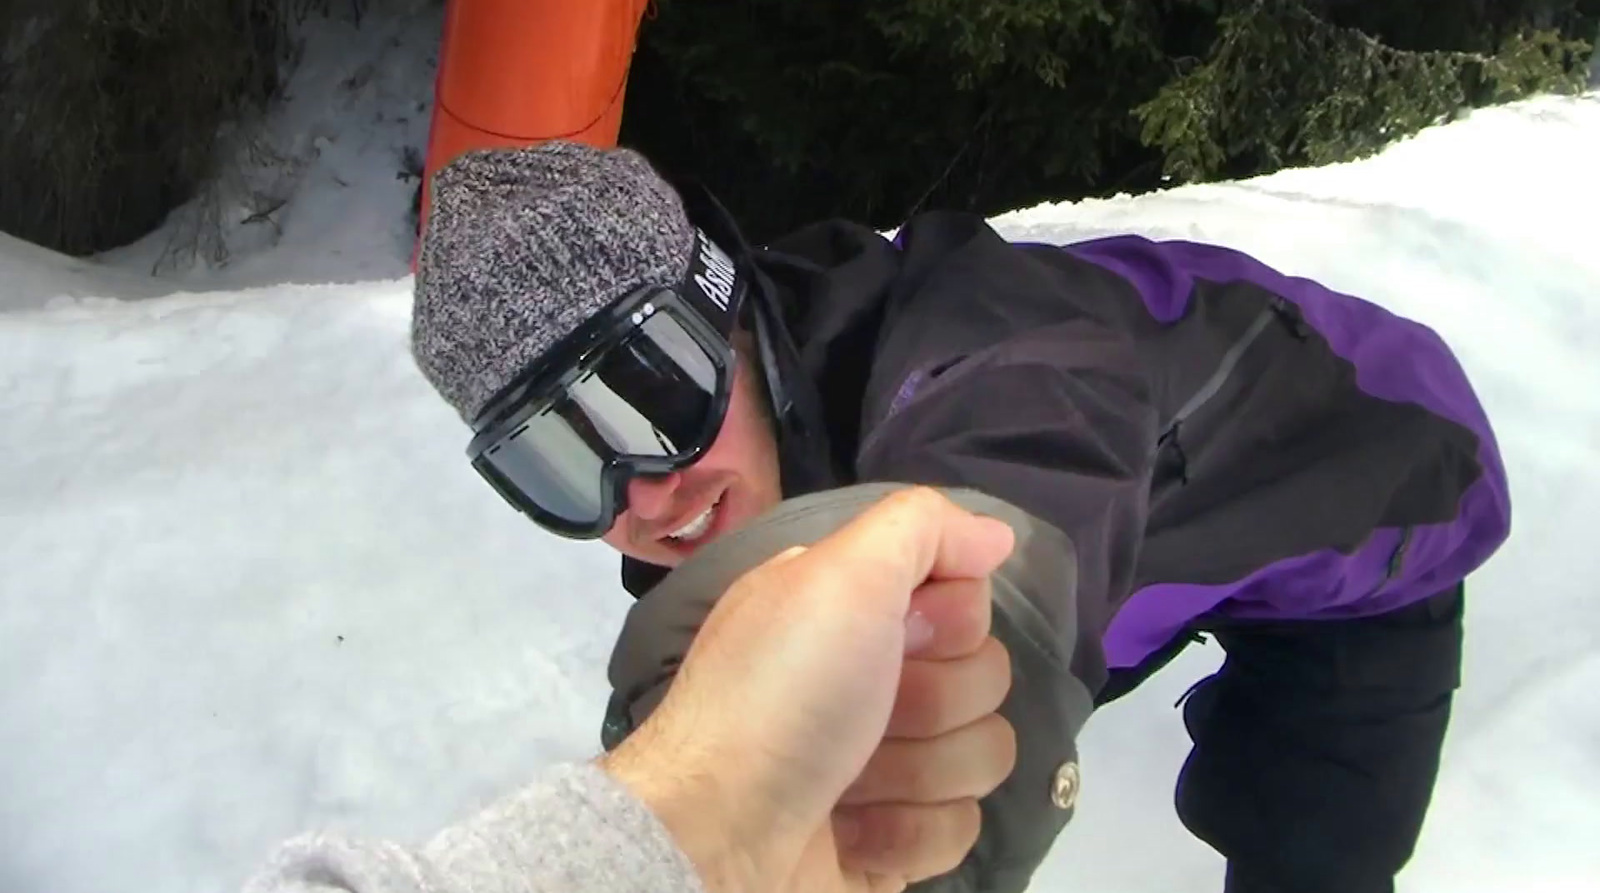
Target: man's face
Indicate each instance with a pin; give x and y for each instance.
(735, 481)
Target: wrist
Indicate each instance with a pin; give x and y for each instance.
(724, 847)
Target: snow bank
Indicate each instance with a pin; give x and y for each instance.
(251, 586)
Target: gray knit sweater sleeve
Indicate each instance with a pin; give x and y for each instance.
(572, 831)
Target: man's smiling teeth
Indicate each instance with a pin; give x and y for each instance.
(698, 527)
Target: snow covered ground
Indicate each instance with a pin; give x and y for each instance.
(248, 584)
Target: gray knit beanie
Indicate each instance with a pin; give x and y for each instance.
(522, 246)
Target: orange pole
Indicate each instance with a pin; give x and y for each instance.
(520, 72)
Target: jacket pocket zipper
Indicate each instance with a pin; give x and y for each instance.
(1398, 559)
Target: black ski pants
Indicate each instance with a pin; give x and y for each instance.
(1316, 745)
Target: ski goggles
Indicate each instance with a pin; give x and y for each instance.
(640, 389)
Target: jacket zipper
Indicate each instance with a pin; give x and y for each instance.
(1225, 368)
(1397, 561)
(1213, 386)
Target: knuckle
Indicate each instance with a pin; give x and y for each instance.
(916, 503)
(995, 650)
(891, 834)
(918, 772)
(968, 822)
(972, 593)
(1001, 751)
(935, 697)
(1009, 740)
(919, 842)
(984, 595)
(947, 835)
(906, 832)
(920, 708)
(920, 497)
(776, 570)
(901, 771)
(998, 659)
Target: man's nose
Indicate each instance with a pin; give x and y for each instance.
(650, 497)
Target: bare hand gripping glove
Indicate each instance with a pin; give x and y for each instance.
(1056, 664)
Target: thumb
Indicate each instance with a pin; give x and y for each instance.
(907, 538)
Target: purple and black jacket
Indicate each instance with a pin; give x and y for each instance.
(1221, 440)
(1229, 449)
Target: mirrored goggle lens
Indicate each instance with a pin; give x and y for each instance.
(650, 397)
